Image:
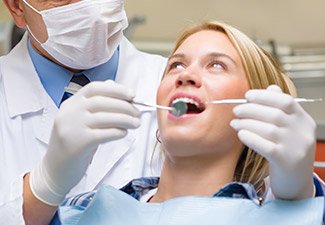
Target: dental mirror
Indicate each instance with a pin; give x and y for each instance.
(179, 109)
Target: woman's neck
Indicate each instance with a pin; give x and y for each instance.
(193, 176)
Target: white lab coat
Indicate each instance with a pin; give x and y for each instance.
(26, 118)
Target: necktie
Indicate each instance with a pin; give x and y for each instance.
(77, 81)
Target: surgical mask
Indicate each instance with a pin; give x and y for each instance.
(85, 34)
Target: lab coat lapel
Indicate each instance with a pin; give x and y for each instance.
(138, 79)
(25, 94)
(43, 124)
(107, 155)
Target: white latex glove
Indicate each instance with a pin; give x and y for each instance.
(279, 129)
(97, 113)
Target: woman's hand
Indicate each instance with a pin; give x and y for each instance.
(274, 125)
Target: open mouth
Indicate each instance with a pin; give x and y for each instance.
(186, 105)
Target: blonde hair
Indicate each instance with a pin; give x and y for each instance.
(261, 71)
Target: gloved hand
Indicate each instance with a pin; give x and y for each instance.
(279, 129)
(97, 113)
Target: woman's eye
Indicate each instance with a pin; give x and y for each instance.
(217, 66)
(176, 65)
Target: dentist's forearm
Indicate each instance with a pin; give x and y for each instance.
(293, 185)
(35, 212)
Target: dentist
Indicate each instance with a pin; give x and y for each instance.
(68, 41)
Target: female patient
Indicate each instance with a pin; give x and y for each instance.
(213, 145)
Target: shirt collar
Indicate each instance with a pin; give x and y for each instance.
(55, 78)
(138, 187)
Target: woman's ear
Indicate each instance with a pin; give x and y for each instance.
(17, 12)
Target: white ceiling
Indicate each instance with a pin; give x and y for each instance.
(291, 22)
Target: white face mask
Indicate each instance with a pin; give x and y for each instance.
(85, 34)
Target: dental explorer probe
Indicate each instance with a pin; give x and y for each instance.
(180, 108)
(241, 101)
(223, 101)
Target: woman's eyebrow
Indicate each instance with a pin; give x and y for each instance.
(210, 55)
(179, 55)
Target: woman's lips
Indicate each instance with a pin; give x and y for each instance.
(190, 97)
(194, 105)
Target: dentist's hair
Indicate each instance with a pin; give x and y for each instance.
(261, 71)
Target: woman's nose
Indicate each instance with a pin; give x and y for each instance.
(188, 77)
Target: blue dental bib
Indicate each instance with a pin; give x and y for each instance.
(114, 207)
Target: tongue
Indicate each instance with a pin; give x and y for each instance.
(192, 109)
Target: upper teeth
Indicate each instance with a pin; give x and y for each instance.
(186, 100)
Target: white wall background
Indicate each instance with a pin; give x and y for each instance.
(287, 21)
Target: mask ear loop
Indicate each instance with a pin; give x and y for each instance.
(29, 30)
(31, 33)
(32, 7)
